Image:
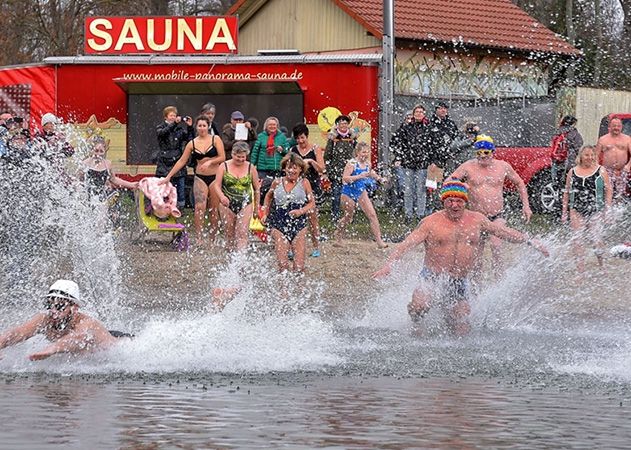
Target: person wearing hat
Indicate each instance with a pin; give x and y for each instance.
(229, 131)
(55, 140)
(486, 178)
(452, 239)
(340, 148)
(443, 131)
(564, 147)
(69, 330)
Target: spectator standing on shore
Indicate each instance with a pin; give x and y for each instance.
(397, 170)
(313, 156)
(172, 135)
(340, 148)
(443, 132)
(57, 145)
(267, 153)
(229, 131)
(566, 143)
(587, 197)
(411, 158)
(209, 110)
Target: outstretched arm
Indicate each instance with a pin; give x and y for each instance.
(415, 238)
(72, 343)
(22, 332)
(510, 235)
(521, 188)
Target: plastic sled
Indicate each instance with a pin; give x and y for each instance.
(149, 223)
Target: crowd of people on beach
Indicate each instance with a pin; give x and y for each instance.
(450, 182)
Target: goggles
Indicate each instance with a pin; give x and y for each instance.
(53, 303)
(484, 152)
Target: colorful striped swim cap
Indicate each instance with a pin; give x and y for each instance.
(453, 188)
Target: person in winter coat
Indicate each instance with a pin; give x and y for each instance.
(267, 153)
(411, 157)
(340, 148)
(172, 134)
(566, 143)
(442, 131)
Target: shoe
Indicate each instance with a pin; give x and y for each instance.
(316, 253)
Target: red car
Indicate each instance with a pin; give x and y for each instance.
(533, 166)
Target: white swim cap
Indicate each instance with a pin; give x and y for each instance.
(49, 118)
(65, 289)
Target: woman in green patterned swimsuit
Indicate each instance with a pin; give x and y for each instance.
(238, 196)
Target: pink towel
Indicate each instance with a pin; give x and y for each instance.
(163, 197)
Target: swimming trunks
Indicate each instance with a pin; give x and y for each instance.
(494, 217)
(619, 184)
(288, 201)
(450, 289)
(238, 190)
(587, 194)
(120, 334)
(355, 189)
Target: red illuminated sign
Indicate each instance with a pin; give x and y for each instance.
(147, 35)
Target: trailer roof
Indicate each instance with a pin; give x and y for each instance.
(368, 58)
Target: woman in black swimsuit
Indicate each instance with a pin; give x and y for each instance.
(206, 153)
(97, 173)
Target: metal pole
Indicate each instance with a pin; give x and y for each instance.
(386, 82)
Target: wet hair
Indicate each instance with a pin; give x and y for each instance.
(581, 152)
(204, 118)
(299, 129)
(359, 147)
(268, 120)
(208, 107)
(169, 109)
(293, 159)
(568, 121)
(240, 147)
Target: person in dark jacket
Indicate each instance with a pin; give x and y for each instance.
(411, 156)
(443, 132)
(340, 148)
(172, 136)
(229, 131)
(572, 142)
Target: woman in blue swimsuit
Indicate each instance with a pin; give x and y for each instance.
(293, 201)
(357, 179)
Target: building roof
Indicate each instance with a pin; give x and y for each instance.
(496, 24)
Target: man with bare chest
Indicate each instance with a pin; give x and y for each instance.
(485, 177)
(68, 330)
(452, 249)
(614, 153)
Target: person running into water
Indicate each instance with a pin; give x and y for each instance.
(293, 200)
(69, 330)
(587, 197)
(238, 195)
(358, 177)
(313, 156)
(206, 153)
(451, 238)
(485, 177)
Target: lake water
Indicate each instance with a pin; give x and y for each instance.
(547, 365)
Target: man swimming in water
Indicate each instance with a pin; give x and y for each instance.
(452, 248)
(69, 330)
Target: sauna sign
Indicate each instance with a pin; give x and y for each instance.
(155, 35)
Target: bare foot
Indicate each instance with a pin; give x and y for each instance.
(382, 245)
(338, 244)
(222, 296)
